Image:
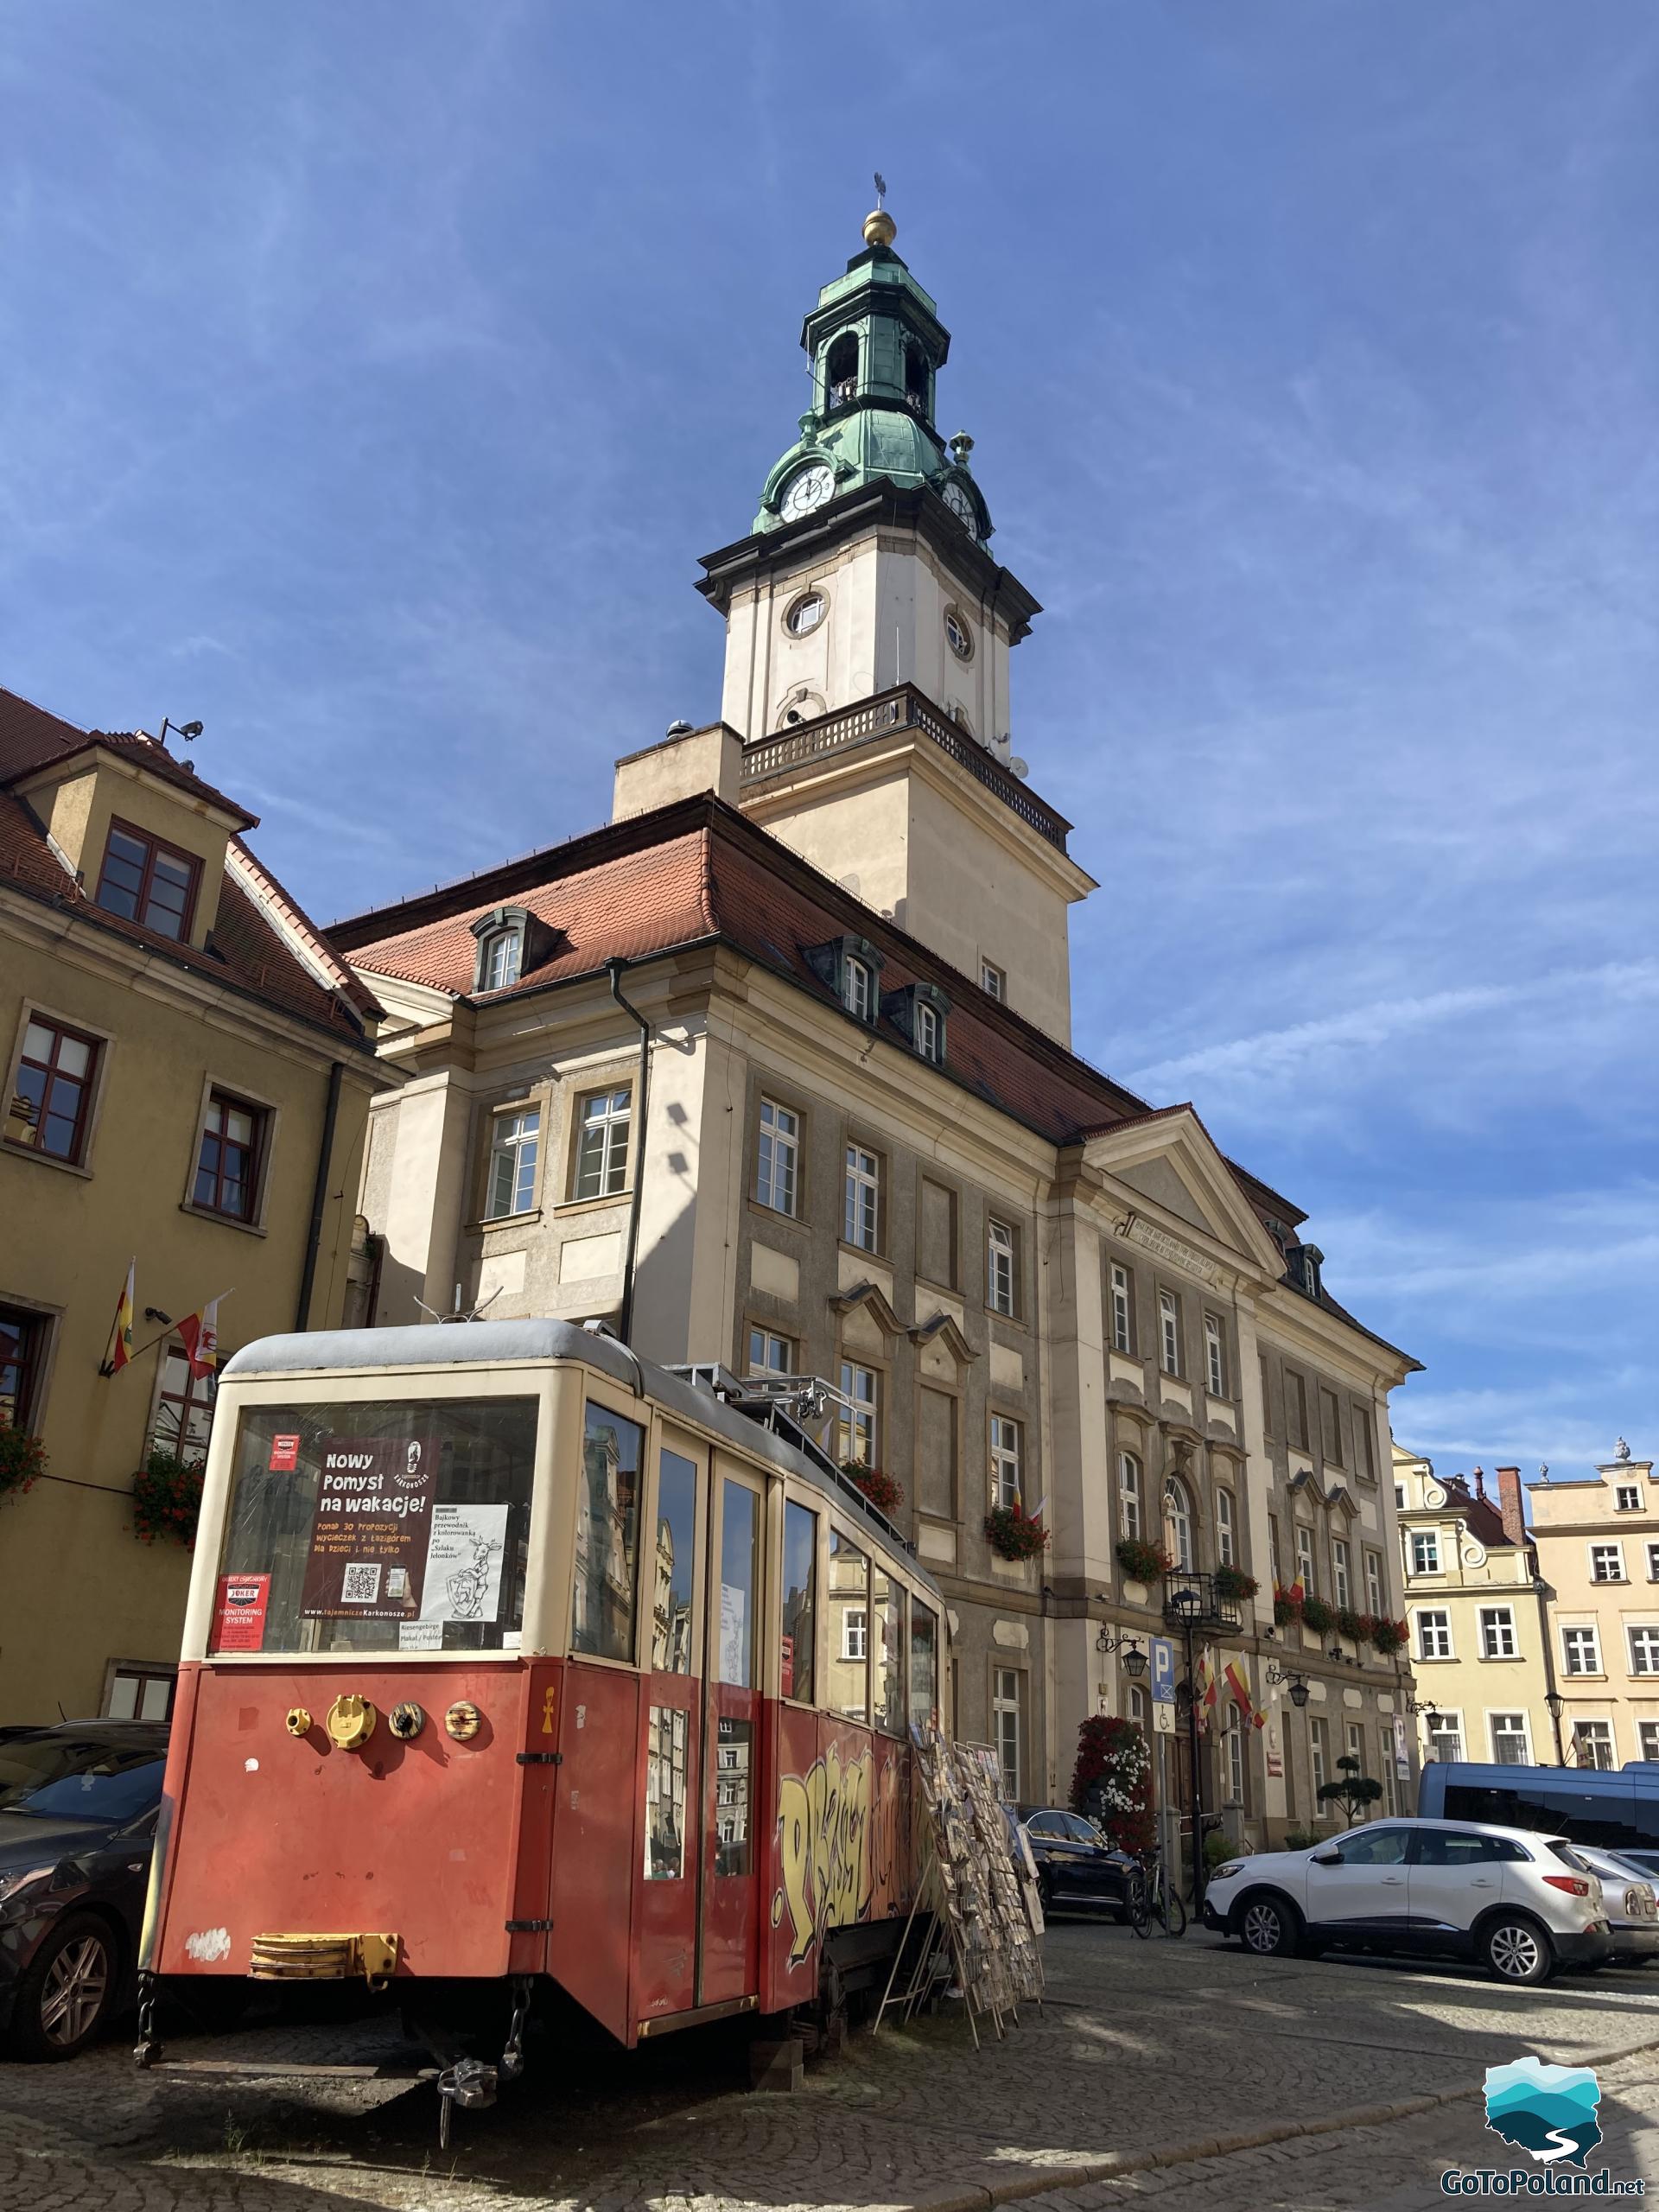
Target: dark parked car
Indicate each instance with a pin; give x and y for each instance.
(1077, 1870)
(78, 1806)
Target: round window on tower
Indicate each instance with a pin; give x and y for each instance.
(802, 615)
(958, 635)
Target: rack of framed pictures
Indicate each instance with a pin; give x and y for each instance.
(977, 1916)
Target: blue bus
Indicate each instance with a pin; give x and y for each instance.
(1617, 1808)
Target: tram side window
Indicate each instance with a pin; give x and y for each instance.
(800, 1594)
(665, 1778)
(677, 1533)
(607, 1520)
(849, 1622)
(924, 1665)
(378, 1525)
(887, 1657)
(738, 1530)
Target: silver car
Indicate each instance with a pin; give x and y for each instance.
(1459, 1887)
(1632, 1904)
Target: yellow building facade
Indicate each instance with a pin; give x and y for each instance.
(187, 1073)
(1477, 1617)
(1598, 1545)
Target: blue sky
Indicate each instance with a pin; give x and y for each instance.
(375, 375)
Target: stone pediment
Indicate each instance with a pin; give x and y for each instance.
(868, 1301)
(1335, 1498)
(943, 1330)
(1170, 1159)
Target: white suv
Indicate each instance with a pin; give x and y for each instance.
(1503, 1895)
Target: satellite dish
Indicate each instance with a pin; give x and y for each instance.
(1019, 767)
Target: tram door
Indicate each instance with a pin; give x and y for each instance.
(732, 1739)
(665, 1954)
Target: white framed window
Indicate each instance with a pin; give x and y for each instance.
(992, 980)
(1627, 1498)
(1226, 1536)
(1445, 1736)
(1647, 1736)
(1644, 1651)
(1215, 1364)
(1653, 1562)
(1377, 1604)
(777, 1174)
(1123, 1312)
(1006, 1453)
(1169, 1324)
(1356, 1743)
(929, 1033)
(855, 1632)
(1606, 1562)
(862, 1204)
(1235, 1760)
(1177, 1516)
(1593, 1743)
(515, 1140)
(1390, 1779)
(1304, 1561)
(1319, 1760)
(1342, 1581)
(770, 1354)
(1511, 1745)
(999, 1267)
(1128, 1494)
(1425, 1551)
(860, 1418)
(1498, 1632)
(136, 1691)
(1580, 1651)
(503, 959)
(603, 1121)
(1433, 1635)
(857, 986)
(1006, 1717)
(183, 1415)
(1398, 1497)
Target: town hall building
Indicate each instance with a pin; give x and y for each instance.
(775, 1071)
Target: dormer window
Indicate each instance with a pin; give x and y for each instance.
(511, 941)
(857, 988)
(841, 369)
(929, 1033)
(148, 881)
(501, 959)
(851, 967)
(920, 1011)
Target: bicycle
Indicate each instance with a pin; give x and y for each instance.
(1152, 1896)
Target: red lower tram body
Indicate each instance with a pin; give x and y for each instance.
(778, 1836)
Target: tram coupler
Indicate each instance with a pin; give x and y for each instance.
(469, 2083)
(149, 2049)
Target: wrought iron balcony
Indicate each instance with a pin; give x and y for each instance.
(904, 707)
(1192, 1601)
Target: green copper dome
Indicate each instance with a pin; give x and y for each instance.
(876, 346)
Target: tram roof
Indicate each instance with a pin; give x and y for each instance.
(517, 1343)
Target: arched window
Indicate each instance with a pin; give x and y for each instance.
(916, 379)
(1177, 1516)
(1226, 1546)
(501, 959)
(1128, 1493)
(841, 369)
(1235, 1760)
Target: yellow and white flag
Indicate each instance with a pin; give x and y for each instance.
(120, 1350)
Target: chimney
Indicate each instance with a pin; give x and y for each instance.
(1509, 1504)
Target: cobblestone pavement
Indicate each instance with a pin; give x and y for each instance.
(1142, 2052)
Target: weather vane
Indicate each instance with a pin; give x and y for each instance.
(880, 189)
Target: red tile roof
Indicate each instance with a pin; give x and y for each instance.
(245, 952)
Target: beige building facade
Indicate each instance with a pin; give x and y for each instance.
(187, 1075)
(1598, 1543)
(1478, 1615)
(773, 1071)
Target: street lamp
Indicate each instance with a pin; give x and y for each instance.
(1185, 1604)
(1135, 1657)
(1295, 1684)
(1557, 1705)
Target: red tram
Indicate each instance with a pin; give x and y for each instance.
(510, 1658)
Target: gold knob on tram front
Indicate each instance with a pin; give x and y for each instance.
(299, 1720)
(350, 1721)
(461, 1720)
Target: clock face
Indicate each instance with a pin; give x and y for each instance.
(960, 502)
(807, 489)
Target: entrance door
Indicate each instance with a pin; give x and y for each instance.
(731, 1796)
(666, 1952)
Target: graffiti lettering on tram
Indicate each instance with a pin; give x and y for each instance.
(836, 1845)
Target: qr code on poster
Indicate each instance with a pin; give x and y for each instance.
(361, 1583)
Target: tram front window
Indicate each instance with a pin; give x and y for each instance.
(607, 1522)
(384, 1525)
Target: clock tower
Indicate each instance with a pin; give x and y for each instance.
(864, 715)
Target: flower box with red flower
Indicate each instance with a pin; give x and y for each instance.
(1014, 1534)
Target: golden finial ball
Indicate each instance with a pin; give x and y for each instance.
(880, 229)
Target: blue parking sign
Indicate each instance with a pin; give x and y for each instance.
(1163, 1670)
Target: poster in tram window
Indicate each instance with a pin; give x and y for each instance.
(463, 1563)
(369, 1534)
(239, 1617)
